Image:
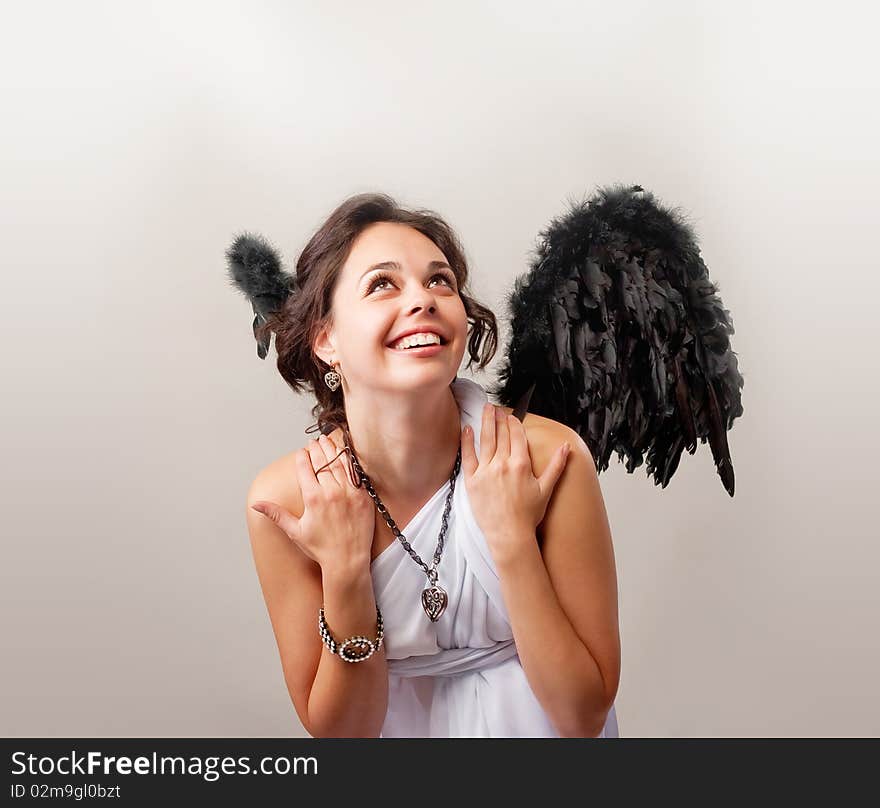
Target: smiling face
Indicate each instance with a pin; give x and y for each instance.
(374, 305)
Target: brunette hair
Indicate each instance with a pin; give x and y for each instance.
(298, 322)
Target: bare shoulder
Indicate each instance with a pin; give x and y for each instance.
(545, 436)
(277, 482)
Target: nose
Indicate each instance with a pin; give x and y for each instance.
(422, 298)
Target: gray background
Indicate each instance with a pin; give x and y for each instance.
(138, 137)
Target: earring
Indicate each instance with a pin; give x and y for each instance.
(332, 379)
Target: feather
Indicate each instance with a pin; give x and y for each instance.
(618, 332)
(254, 268)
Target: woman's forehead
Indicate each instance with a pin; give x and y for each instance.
(391, 241)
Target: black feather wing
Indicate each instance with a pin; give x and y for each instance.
(617, 331)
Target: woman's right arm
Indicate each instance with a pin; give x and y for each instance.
(333, 698)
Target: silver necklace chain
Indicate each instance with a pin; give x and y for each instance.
(431, 571)
(434, 598)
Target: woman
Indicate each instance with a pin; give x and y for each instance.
(471, 572)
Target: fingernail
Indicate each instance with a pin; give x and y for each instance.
(257, 508)
(566, 450)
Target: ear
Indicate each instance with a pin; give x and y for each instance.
(324, 347)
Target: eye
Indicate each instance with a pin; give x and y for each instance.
(381, 278)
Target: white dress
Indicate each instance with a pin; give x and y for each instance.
(460, 676)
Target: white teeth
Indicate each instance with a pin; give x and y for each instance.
(424, 338)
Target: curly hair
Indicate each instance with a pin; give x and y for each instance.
(298, 322)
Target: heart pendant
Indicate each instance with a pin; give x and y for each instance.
(434, 602)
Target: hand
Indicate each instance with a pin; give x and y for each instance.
(507, 499)
(337, 524)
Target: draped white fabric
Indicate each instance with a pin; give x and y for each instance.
(460, 676)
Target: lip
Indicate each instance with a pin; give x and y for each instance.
(425, 350)
(420, 330)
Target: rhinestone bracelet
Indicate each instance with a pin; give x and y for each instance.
(362, 647)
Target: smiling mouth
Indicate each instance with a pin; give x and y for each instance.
(415, 347)
(419, 348)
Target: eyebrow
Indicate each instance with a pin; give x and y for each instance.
(396, 267)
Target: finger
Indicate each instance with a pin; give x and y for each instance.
(487, 434)
(547, 481)
(349, 472)
(280, 516)
(331, 462)
(502, 434)
(305, 473)
(316, 455)
(349, 475)
(519, 444)
(468, 456)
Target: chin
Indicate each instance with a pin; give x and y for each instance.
(420, 378)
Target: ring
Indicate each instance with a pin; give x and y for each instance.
(349, 471)
(329, 463)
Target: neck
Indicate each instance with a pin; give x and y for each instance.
(409, 451)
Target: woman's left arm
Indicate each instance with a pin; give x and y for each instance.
(561, 597)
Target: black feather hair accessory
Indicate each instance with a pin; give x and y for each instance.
(254, 267)
(617, 332)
